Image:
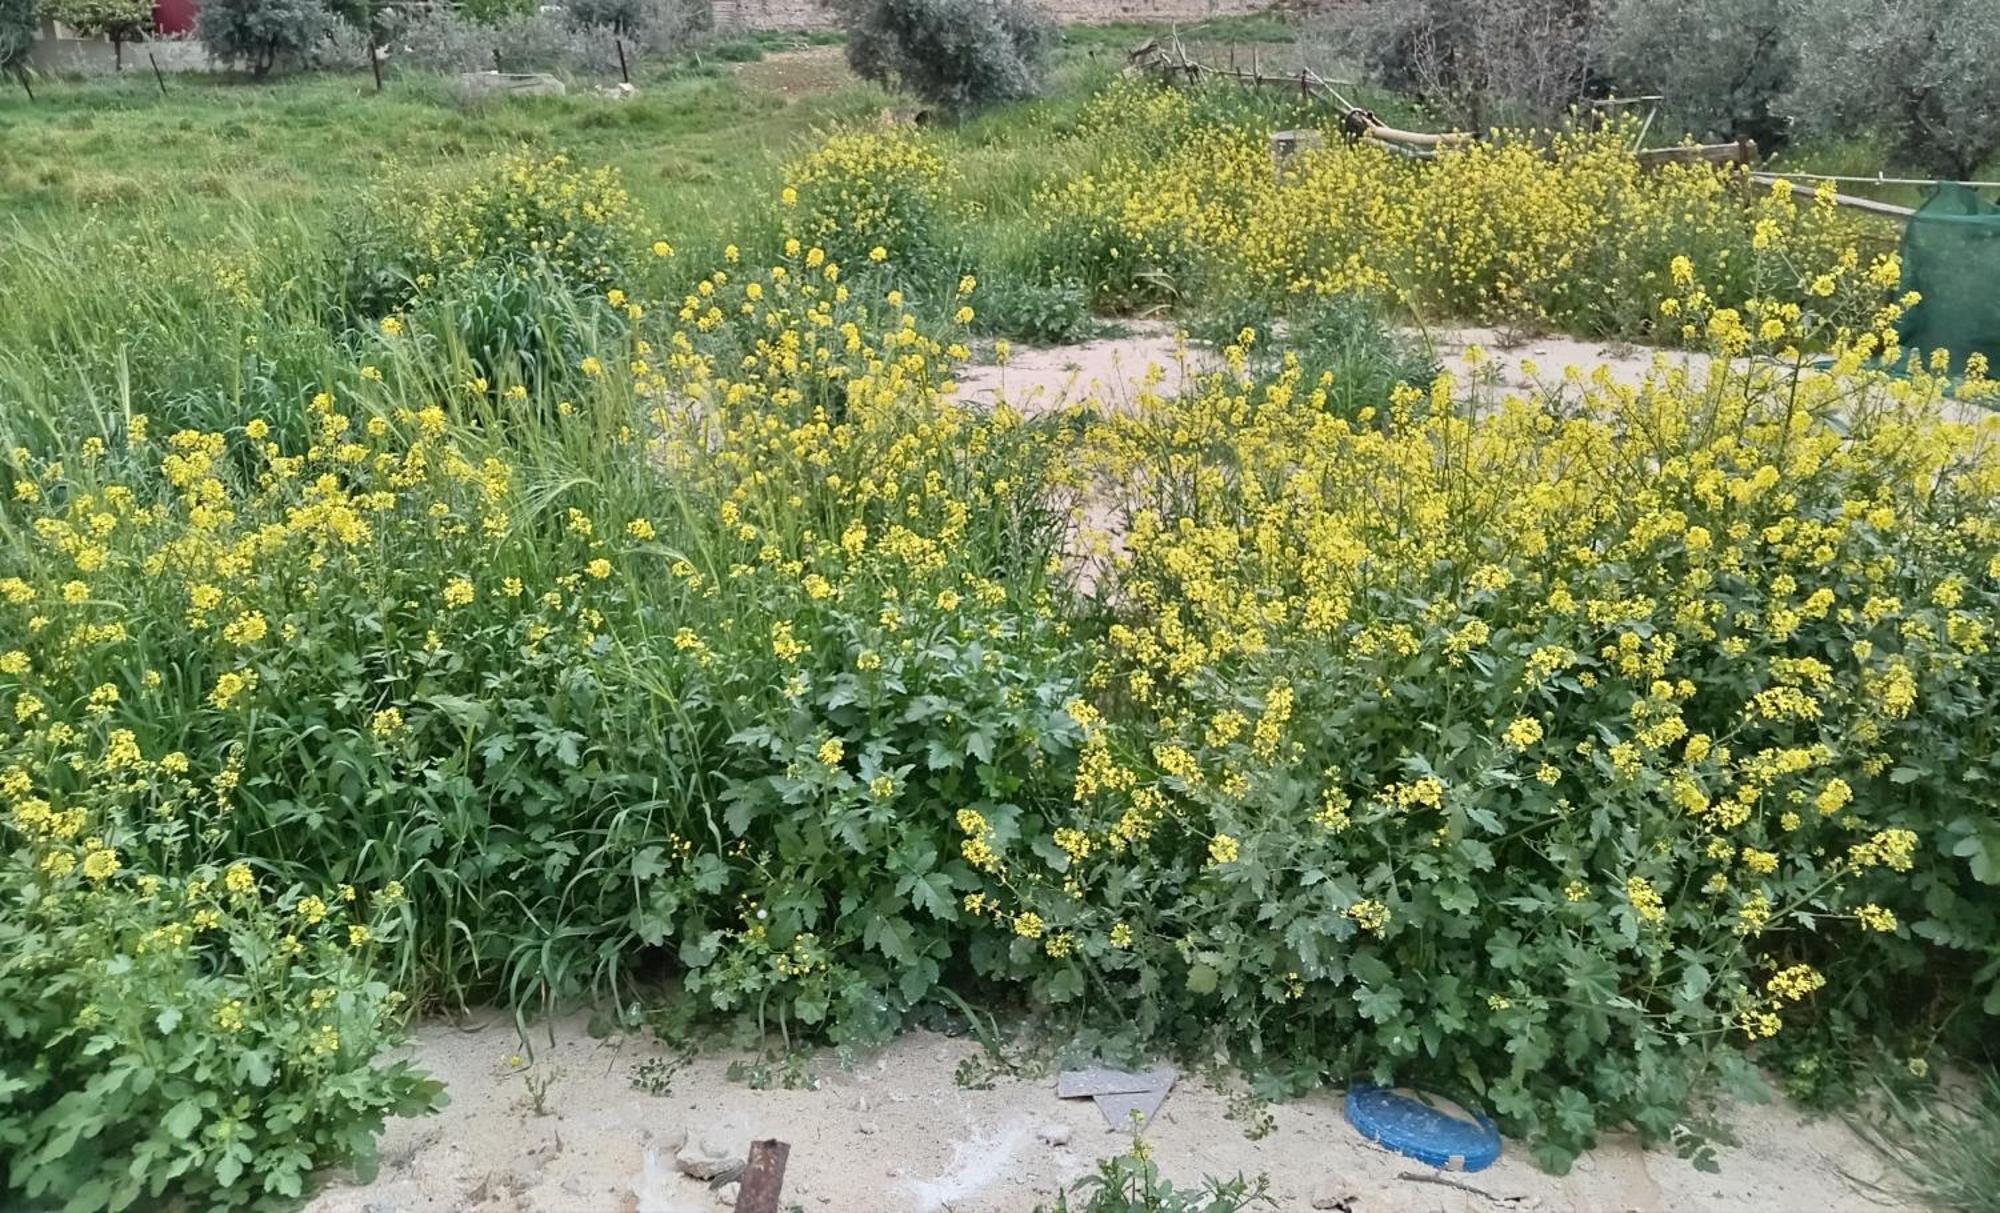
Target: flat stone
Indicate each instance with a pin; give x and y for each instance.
(705, 1158)
(1133, 1111)
(1102, 1080)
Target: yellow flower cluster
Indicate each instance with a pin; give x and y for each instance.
(1567, 229)
(864, 194)
(1700, 605)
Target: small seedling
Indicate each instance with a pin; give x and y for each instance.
(655, 1075)
(1253, 1112)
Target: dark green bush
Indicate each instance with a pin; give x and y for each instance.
(262, 34)
(1040, 313)
(958, 54)
(17, 32)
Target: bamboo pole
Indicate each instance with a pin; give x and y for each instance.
(1848, 200)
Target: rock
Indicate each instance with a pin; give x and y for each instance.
(867, 1128)
(726, 1194)
(379, 1206)
(509, 84)
(1055, 1133)
(1334, 1193)
(573, 1186)
(702, 1157)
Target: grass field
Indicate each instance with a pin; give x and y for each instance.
(112, 148)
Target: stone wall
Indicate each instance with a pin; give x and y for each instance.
(65, 56)
(808, 14)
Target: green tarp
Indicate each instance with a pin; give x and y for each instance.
(1951, 256)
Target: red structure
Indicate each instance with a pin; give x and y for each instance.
(174, 16)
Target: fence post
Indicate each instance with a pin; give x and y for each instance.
(374, 48)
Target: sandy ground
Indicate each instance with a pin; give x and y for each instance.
(891, 1132)
(1112, 371)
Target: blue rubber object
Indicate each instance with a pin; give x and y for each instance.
(1425, 1133)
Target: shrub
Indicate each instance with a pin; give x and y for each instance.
(959, 54)
(547, 217)
(1480, 63)
(557, 639)
(861, 191)
(1565, 231)
(659, 25)
(1721, 64)
(205, 1038)
(1131, 1183)
(1344, 339)
(1919, 71)
(1044, 314)
(261, 34)
(17, 32)
(491, 12)
(1551, 746)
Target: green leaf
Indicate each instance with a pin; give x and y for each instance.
(711, 875)
(182, 1119)
(1202, 979)
(932, 893)
(167, 1020)
(648, 863)
(1694, 983)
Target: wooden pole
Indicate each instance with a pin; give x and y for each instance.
(1859, 204)
(623, 73)
(158, 76)
(374, 49)
(763, 1177)
(21, 74)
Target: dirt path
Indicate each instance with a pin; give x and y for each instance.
(892, 1132)
(1149, 355)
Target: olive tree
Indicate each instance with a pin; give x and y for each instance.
(17, 33)
(260, 34)
(1925, 74)
(958, 54)
(1476, 62)
(1722, 65)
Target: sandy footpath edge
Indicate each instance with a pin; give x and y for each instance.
(892, 1132)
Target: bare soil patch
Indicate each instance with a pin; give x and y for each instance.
(799, 73)
(892, 1132)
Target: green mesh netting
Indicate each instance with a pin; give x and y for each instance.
(1951, 256)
